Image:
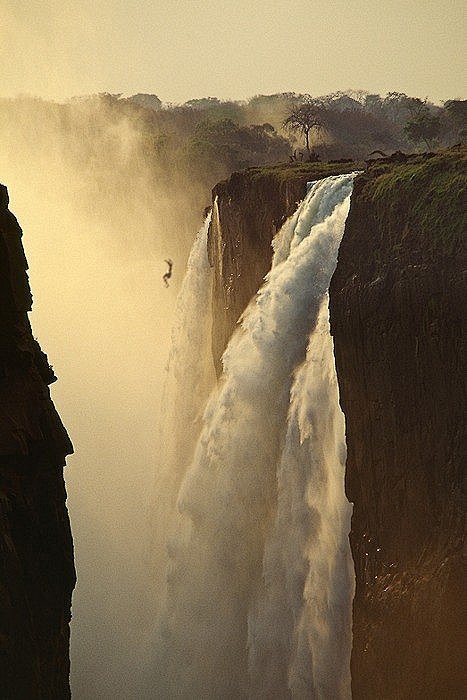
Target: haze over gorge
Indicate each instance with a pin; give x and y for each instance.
(263, 458)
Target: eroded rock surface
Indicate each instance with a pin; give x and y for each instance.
(397, 314)
(37, 573)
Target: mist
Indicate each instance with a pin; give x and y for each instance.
(98, 222)
(259, 577)
(167, 554)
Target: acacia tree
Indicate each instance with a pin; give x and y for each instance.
(303, 118)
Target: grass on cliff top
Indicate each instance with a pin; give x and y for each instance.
(294, 174)
(300, 171)
(432, 190)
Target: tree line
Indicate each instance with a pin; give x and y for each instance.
(182, 151)
(206, 139)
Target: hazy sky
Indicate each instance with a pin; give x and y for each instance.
(180, 49)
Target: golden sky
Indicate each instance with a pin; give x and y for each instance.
(180, 49)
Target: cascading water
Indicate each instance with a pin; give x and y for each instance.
(190, 372)
(189, 379)
(260, 582)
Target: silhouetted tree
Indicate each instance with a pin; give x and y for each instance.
(396, 105)
(215, 109)
(203, 103)
(423, 128)
(304, 118)
(341, 102)
(270, 108)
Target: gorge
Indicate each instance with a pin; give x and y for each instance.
(395, 304)
(396, 308)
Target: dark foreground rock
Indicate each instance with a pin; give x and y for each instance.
(37, 573)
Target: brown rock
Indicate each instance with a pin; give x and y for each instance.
(397, 303)
(397, 309)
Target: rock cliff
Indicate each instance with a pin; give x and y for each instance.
(37, 573)
(396, 302)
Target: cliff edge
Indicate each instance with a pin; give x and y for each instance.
(248, 210)
(397, 303)
(37, 573)
(397, 306)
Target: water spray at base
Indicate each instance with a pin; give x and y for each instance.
(259, 579)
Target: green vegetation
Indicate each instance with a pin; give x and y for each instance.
(222, 146)
(186, 149)
(429, 192)
(456, 111)
(423, 128)
(300, 171)
(206, 139)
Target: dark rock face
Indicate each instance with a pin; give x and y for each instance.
(37, 573)
(397, 304)
(397, 309)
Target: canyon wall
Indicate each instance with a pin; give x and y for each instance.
(397, 307)
(37, 573)
(397, 312)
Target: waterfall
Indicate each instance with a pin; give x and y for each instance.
(189, 379)
(259, 583)
(190, 371)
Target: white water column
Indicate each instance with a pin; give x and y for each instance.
(260, 581)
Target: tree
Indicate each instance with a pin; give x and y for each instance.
(203, 103)
(144, 100)
(396, 105)
(217, 148)
(457, 112)
(304, 118)
(423, 125)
